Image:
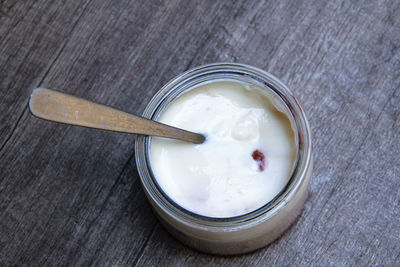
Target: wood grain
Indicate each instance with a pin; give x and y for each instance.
(72, 196)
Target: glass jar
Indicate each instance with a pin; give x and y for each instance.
(249, 231)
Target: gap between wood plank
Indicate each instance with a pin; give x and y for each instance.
(139, 255)
(61, 49)
(13, 128)
(46, 72)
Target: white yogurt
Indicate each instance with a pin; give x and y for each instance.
(226, 176)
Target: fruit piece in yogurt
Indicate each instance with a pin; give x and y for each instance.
(259, 157)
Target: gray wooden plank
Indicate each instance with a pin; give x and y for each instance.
(72, 196)
(32, 34)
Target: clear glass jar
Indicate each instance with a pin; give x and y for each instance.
(250, 231)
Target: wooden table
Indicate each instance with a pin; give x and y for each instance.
(72, 196)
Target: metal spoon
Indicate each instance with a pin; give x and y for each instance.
(56, 106)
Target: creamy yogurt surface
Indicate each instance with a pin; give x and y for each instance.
(246, 160)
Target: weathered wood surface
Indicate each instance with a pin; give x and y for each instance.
(72, 196)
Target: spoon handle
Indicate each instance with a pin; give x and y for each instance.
(56, 106)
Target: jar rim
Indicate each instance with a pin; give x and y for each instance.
(174, 88)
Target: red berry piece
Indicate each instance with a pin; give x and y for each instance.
(259, 157)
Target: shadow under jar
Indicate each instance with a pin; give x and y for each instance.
(249, 231)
